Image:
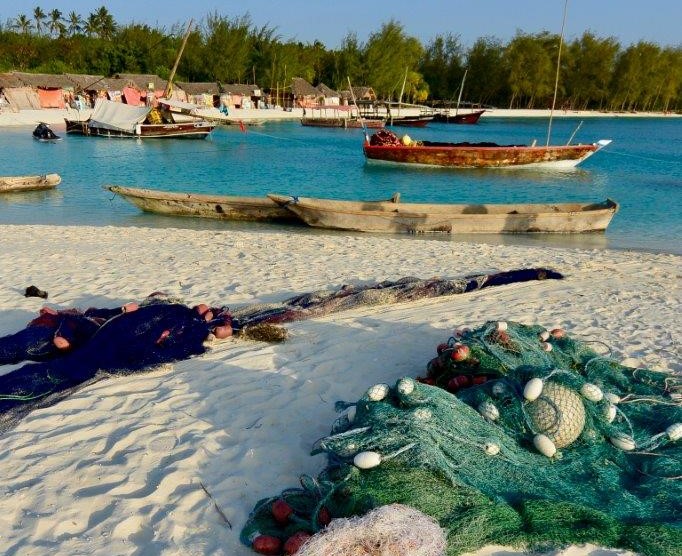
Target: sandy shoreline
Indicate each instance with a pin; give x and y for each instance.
(116, 468)
(56, 116)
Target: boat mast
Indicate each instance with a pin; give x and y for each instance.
(556, 79)
(402, 90)
(461, 88)
(167, 91)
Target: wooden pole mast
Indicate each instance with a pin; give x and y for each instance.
(167, 91)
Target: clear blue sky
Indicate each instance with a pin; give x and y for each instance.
(658, 21)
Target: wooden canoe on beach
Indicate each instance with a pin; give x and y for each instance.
(29, 183)
(223, 207)
(392, 217)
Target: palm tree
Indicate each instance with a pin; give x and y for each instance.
(23, 23)
(76, 23)
(39, 16)
(55, 24)
(91, 25)
(102, 23)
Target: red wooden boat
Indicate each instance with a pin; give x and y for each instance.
(447, 118)
(386, 147)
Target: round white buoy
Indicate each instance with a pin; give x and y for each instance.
(546, 346)
(366, 460)
(674, 431)
(544, 336)
(489, 411)
(591, 392)
(623, 441)
(423, 414)
(491, 448)
(544, 445)
(612, 398)
(378, 392)
(351, 413)
(499, 388)
(501, 326)
(610, 412)
(533, 389)
(405, 386)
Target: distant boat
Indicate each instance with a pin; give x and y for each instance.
(446, 117)
(396, 113)
(29, 183)
(222, 207)
(44, 133)
(345, 117)
(387, 147)
(115, 119)
(392, 217)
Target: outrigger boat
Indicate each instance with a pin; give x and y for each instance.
(387, 147)
(395, 217)
(115, 119)
(29, 183)
(222, 207)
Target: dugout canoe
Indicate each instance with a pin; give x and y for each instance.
(222, 207)
(29, 183)
(392, 217)
(477, 155)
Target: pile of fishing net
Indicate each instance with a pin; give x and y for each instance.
(73, 348)
(517, 436)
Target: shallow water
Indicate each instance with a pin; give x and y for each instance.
(641, 169)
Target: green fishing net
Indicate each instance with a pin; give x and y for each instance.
(516, 436)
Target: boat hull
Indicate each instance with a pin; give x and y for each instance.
(469, 118)
(29, 183)
(345, 123)
(567, 156)
(221, 207)
(186, 130)
(387, 217)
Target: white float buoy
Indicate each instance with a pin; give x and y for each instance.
(423, 414)
(546, 346)
(612, 398)
(610, 412)
(544, 445)
(351, 413)
(533, 389)
(544, 336)
(405, 386)
(501, 326)
(591, 392)
(366, 460)
(674, 431)
(489, 411)
(378, 392)
(491, 448)
(623, 441)
(499, 388)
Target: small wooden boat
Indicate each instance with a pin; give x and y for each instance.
(116, 120)
(222, 207)
(448, 117)
(386, 147)
(29, 183)
(394, 217)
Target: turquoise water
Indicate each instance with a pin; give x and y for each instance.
(641, 169)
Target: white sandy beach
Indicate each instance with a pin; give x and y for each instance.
(56, 116)
(117, 468)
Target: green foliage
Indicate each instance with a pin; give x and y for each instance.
(441, 66)
(388, 54)
(595, 72)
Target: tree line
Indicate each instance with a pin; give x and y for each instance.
(596, 73)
